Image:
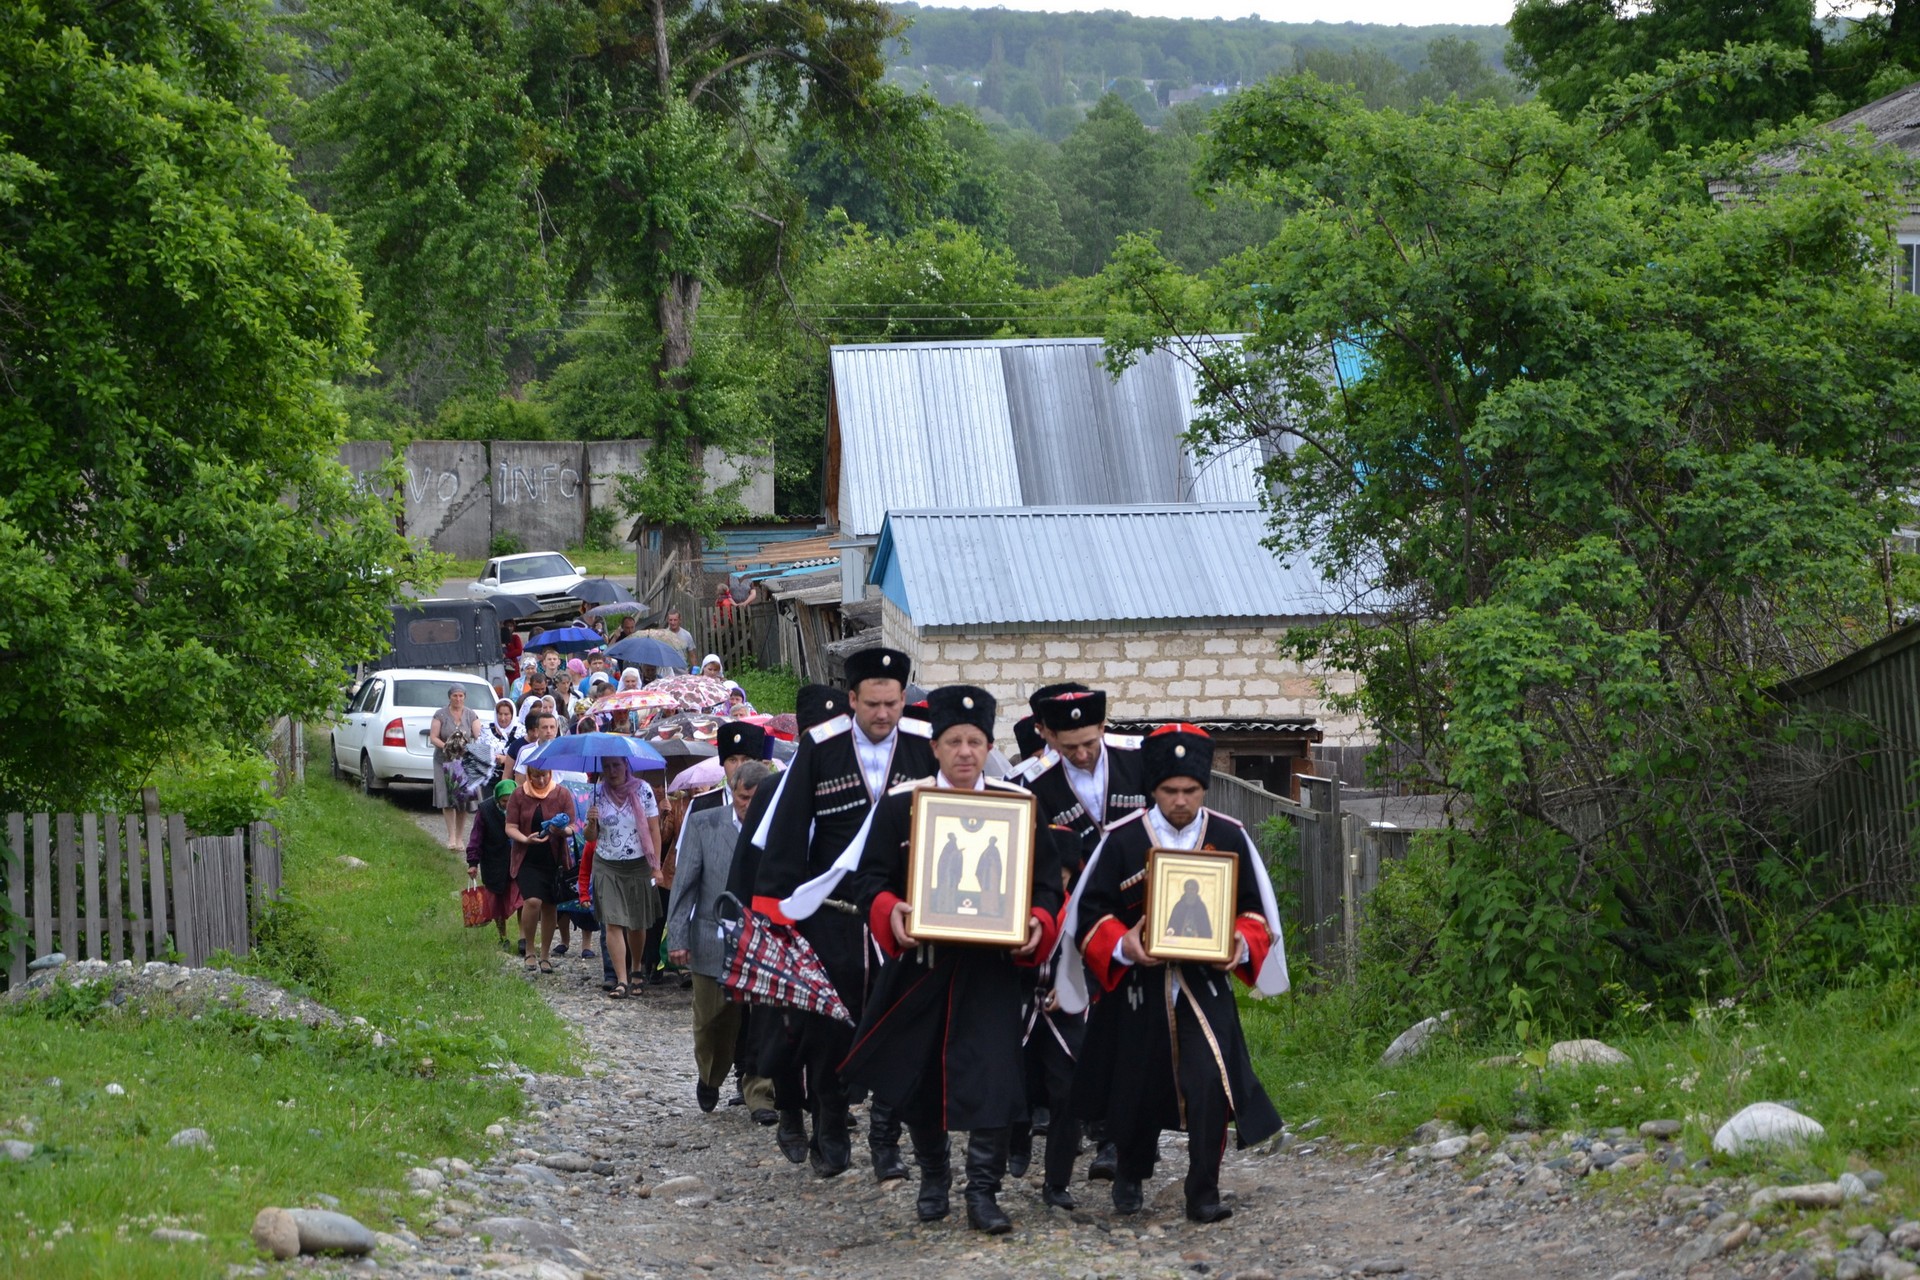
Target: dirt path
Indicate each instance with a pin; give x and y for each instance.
(636, 1181)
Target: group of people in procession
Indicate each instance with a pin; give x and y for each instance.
(1078, 1030)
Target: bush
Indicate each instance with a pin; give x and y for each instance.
(217, 787)
(289, 949)
(505, 544)
(599, 531)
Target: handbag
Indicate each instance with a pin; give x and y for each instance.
(770, 963)
(473, 905)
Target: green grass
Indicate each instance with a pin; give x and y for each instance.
(618, 565)
(771, 692)
(1846, 1059)
(292, 1112)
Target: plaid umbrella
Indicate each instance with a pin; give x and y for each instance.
(770, 963)
(694, 692)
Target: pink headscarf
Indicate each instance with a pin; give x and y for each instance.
(576, 666)
(629, 795)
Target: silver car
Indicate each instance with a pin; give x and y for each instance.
(385, 735)
(546, 576)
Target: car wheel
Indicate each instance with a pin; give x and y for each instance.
(368, 783)
(333, 758)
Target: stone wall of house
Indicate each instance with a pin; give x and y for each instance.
(1160, 674)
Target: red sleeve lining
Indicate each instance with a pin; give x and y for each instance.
(770, 908)
(1098, 952)
(1049, 933)
(1259, 939)
(880, 920)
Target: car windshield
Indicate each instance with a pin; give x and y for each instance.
(535, 567)
(433, 693)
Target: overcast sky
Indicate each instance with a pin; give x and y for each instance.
(1398, 12)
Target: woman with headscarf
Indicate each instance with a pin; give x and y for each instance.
(629, 678)
(454, 728)
(623, 825)
(491, 858)
(711, 666)
(502, 732)
(540, 817)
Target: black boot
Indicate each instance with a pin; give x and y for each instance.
(1106, 1164)
(1126, 1195)
(792, 1136)
(1019, 1150)
(930, 1152)
(986, 1163)
(831, 1152)
(1058, 1197)
(883, 1142)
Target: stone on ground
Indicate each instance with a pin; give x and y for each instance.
(1586, 1053)
(276, 1231)
(324, 1231)
(1765, 1124)
(191, 1138)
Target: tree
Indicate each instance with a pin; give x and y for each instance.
(1601, 459)
(1103, 196)
(1572, 51)
(624, 150)
(182, 555)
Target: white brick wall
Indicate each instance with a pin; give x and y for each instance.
(1160, 675)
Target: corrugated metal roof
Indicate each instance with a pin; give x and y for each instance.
(1015, 422)
(1025, 565)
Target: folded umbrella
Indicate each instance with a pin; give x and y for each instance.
(601, 591)
(583, 752)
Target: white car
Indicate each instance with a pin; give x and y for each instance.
(547, 576)
(385, 736)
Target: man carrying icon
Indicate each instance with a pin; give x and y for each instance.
(1164, 1049)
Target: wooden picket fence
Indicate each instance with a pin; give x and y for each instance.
(115, 887)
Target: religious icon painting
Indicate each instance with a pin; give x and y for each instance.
(1190, 901)
(970, 869)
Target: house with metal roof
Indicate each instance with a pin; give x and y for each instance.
(1176, 610)
(1012, 423)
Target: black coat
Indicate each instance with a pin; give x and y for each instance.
(1059, 806)
(941, 1036)
(496, 849)
(823, 804)
(1126, 1065)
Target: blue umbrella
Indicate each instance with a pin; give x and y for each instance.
(568, 640)
(645, 651)
(583, 752)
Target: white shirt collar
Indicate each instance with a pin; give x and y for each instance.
(940, 780)
(1168, 836)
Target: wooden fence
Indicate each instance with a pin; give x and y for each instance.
(115, 887)
(1337, 865)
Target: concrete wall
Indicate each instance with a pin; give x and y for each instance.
(448, 497)
(1148, 675)
(607, 461)
(540, 492)
(364, 457)
(756, 495)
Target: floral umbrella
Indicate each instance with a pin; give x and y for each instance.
(693, 692)
(635, 700)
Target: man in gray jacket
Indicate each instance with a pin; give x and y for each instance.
(693, 939)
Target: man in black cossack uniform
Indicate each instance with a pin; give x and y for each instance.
(842, 766)
(1089, 779)
(1164, 1049)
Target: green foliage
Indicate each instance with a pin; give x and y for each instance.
(771, 692)
(941, 280)
(505, 543)
(601, 524)
(289, 949)
(1605, 457)
(500, 159)
(217, 786)
(495, 417)
(176, 534)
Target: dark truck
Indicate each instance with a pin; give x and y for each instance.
(454, 635)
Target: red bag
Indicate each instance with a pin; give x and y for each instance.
(473, 905)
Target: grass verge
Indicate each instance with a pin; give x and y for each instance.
(1846, 1059)
(618, 565)
(292, 1112)
(770, 692)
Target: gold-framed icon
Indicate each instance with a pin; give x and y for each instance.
(1191, 896)
(970, 866)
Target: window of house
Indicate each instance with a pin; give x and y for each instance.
(1910, 264)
